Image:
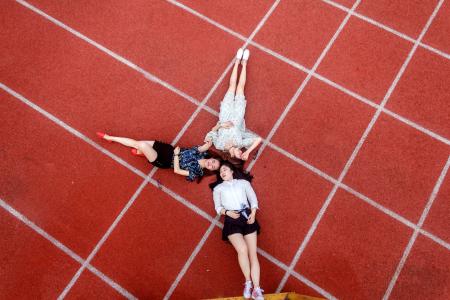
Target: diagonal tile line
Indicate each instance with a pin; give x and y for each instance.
(190, 260)
(62, 247)
(387, 28)
(109, 52)
(313, 73)
(359, 145)
(196, 209)
(102, 240)
(413, 238)
(212, 111)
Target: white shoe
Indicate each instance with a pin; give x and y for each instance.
(239, 54)
(246, 55)
(257, 294)
(248, 286)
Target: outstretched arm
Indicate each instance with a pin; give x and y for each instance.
(255, 144)
(205, 146)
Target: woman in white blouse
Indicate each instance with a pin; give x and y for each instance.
(235, 198)
(230, 134)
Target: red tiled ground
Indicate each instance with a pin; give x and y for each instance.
(90, 91)
(437, 35)
(74, 202)
(151, 244)
(437, 221)
(398, 167)
(144, 32)
(242, 17)
(328, 125)
(215, 272)
(425, 274)
(300, 30)
(74, 192)
(365, 59)
(347, 3)
(31, 267)
(289, 208)
(349, 254)
(269, 87)
(89, 286)
(296, 286)
(408, 18)
(423, 93)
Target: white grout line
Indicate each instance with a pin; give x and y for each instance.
(60, 246)
(114, 55)
(416, 231)
(387, 28)
(359, 145)
(190, 260)
(435, 239)
(298, 276)
(154, 78)
(103, 239)
(205, 215)
(70, 129)
(110, 282)
(199, 211)
(313, 73)
(312, 284)
(302, 86)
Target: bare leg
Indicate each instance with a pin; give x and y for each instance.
(233, 78)
(238, 242)
(145, 147)
(250, 240)
(242, 79)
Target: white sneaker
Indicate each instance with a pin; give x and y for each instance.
(239, 54)
(248, 289)
(258, 294)
(246, 54)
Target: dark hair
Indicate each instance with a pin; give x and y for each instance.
(238, 173)
(206, 172)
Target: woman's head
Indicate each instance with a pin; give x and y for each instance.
(212, 164)
(229, 171)
(226, 171)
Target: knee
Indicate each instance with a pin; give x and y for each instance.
(242, 250)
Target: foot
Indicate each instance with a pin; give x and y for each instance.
(257, 294)
(246, 55)
(136, 152)
(239, 54)
(103, 136)
(248, 289)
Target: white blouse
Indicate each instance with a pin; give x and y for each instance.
(233, 195)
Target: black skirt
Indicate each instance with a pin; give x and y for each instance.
(164, 156)
(239, 225)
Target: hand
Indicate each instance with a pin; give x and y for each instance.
(245, 155)
(227, 124)
(252, 218)
(232, 214)
(208, 142)
(176, 151)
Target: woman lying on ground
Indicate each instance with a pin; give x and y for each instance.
(230, 134)
(193, 162)
(235, 198)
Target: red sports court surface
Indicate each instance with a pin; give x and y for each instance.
(352, 99)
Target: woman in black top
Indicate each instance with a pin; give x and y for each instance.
(188, 162)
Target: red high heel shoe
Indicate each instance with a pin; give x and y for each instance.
(102, 136)
(134, 152)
